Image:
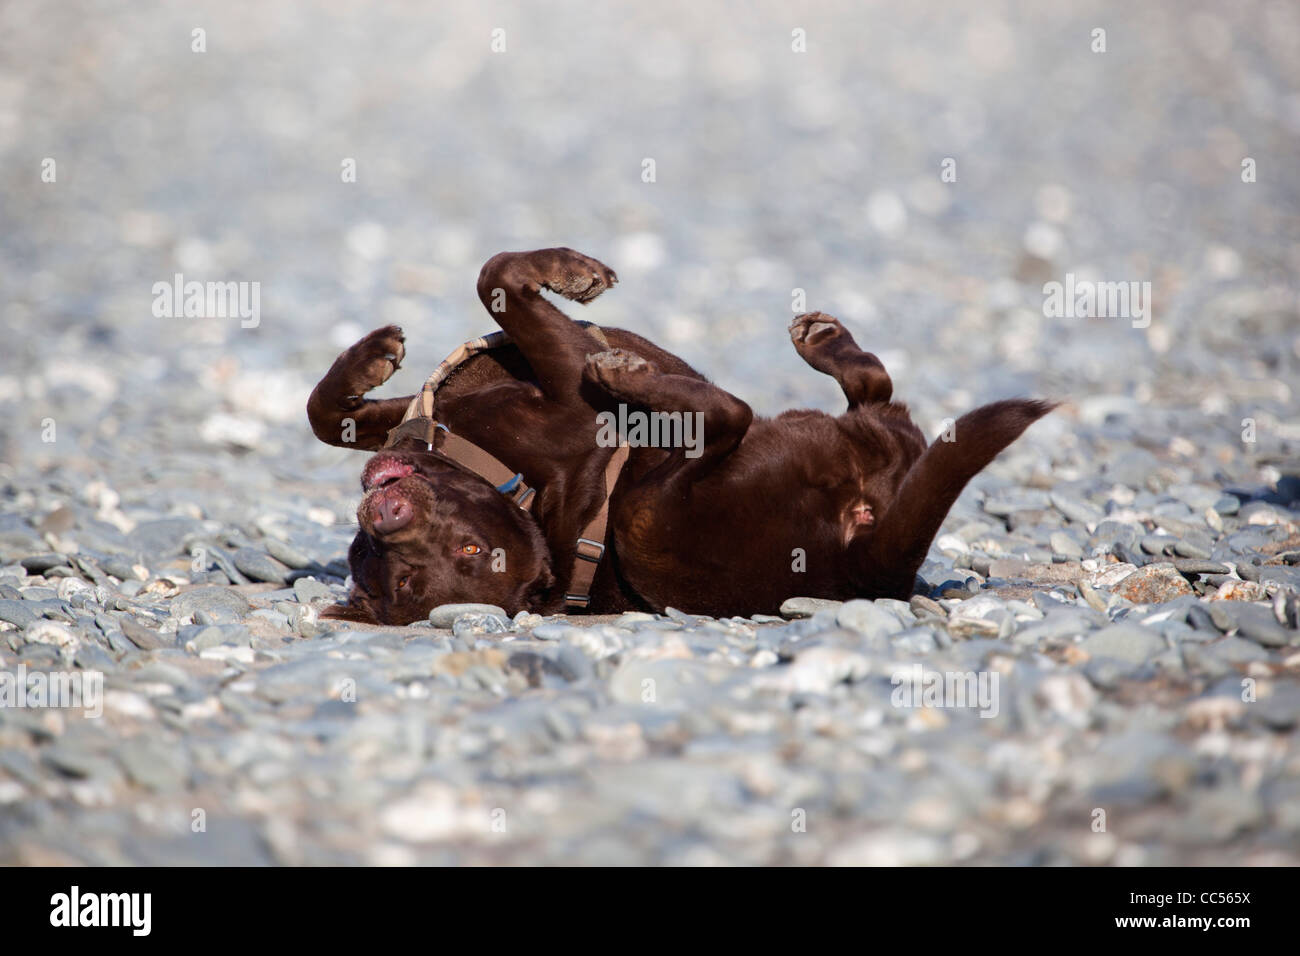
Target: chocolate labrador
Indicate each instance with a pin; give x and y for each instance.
(732, 517)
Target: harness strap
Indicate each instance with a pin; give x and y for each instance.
(464, 452)
(591, 544)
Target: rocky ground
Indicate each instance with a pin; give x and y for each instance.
(1128, 571)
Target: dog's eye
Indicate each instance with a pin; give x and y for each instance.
(404, 581)
(471, 549)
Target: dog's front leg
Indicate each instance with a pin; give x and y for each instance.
(337, 409)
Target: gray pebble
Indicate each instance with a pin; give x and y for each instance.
(216, 603)
(287, 554)
(445, 614)
(260, 566)
(1124, 642)
(801, 607)
(866, 617)
(16, 612)
(40, 563)
(309, 589)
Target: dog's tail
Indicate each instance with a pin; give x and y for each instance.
(884, 563)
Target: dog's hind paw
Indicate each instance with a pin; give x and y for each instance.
(817, 332)
(616, 367)
(575, 276)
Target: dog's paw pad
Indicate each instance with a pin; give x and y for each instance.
(617, 360)
(577, 277)
(616, 367)
(373, 360)
(814, 328)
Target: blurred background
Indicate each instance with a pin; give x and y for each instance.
(774, 170)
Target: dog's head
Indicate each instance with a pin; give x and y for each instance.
(433, 533)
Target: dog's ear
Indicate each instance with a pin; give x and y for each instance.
(357, 610)
(884, 564)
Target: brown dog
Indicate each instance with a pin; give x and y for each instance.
(758, 511)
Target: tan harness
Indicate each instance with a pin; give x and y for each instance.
(420, 422)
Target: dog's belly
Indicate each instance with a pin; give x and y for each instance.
(725, 560)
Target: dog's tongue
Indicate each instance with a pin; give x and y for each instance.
(382, 469)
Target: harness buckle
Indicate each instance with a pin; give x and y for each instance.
(429, 437)
(594, 550)
(577, 600)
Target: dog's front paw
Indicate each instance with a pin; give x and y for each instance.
(617, 368)
(370, 362)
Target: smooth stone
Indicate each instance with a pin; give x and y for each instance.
(916, 640)
(922, 605)
(1191, 549)
(536, 668)
(1280, 710)
(1009, 500)
(1227, 505)
(92, 657)
(1255, 622)
(142, 637)
(1153, 584)
(218, 603)
(1286, 577)
(39, 563)
(1125, 642)
(153, 764)
(628, 620)
(444, 615)
(309, 589)
(119, 567)
(74, 761)
(1065, 545)
(275, 618)
(1106, 673)
(260, 566)
(1078, 510)
(206, 637)
(1111, 533)
(866, 617)
(287, 554)
(1198, 566)
(162, 538)
(801, 607)
(552, 631)
(1237, 650)
(1158, 544)
(477, 625)
(17, 613)
(681, 617)
(1064, 624)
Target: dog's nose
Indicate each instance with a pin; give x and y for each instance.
(391, 514)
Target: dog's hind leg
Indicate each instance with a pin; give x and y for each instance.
(884, 563)
(828, 347)
(714, 420)
(510, 288)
